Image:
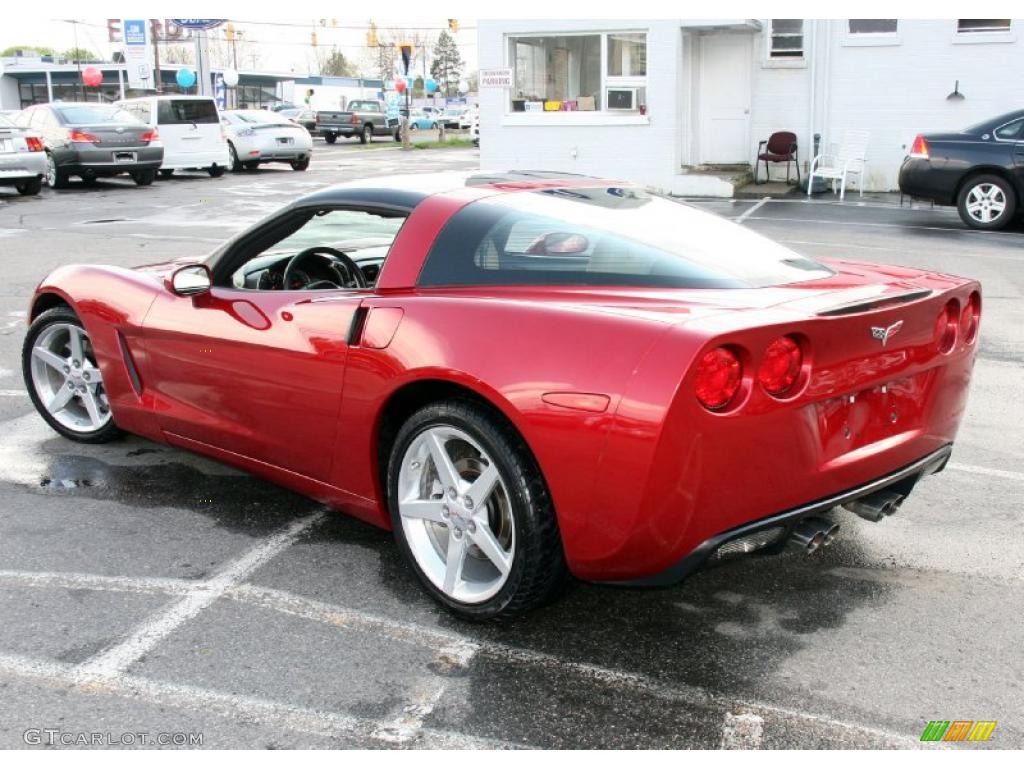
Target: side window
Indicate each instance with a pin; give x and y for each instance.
(1010, 131)
(186, 112)
(363, 237)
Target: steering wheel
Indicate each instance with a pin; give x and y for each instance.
(332, 257)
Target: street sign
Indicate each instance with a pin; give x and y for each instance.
(496, 78)
(138, 53)
(220, 91)
(198, 23)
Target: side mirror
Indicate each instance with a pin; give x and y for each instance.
(190, 280)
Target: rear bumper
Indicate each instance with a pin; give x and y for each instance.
(101, 162)
(17, 166)
(178, 160)
(918, 178)
(902, 479)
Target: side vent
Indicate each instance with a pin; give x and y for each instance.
(355, 331)
(129, 364)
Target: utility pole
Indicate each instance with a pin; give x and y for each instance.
(154, 30)
(78, 59)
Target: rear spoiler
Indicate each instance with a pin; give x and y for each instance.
(877, 303)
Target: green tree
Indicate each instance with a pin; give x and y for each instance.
(79, 54)
(42, 50)
(335, 64)
(446, 68)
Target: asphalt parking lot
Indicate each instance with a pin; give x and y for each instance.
(147, 591)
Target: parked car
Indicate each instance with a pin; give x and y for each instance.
(363, 119)
(283, 105)
(258, 136)
(22, 158)
(190, 129)
(305, 117)
(980, 170)
(525, 374)
(457, 117)
(92, 141)
(474, 131)
(420, 120)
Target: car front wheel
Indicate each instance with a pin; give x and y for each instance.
(144, 178)
(63, 379)
(471, 512)
(986, 202)
(29, 187)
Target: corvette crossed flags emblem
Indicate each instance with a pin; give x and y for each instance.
(884, 334)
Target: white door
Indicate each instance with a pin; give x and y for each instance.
(724, 116)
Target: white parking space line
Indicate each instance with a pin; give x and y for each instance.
(145, 585)
(230, 706)
(742, 730)
(974, 470)
(743, 216)
(13, 393)
(116, 660)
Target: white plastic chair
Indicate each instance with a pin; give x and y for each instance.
(839, 164)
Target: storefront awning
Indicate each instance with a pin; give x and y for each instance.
(710, 25)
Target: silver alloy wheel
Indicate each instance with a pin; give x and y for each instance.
(51, 171)
(66, 379)
(456, 514)
(233, 156)
(985, 202)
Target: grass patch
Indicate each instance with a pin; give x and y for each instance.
(450, 144)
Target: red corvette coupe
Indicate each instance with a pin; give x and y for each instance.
(524, 376)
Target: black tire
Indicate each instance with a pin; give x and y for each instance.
(538, 569)
(215, 171)
(29, 187)
(55, 177)
(366, 137)
(166, 173)
(330, 138)
(62, 314)
(144, 178)
(1000, 221)
(300, 165)
(236, 165)
(251, 166)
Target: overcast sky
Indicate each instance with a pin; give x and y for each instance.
(284, 45)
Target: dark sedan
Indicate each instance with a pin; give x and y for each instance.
(93, 140)
(980, 170)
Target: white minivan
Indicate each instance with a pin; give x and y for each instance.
(190, 129)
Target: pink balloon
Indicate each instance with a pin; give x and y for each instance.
(400, 86)
(92, 76)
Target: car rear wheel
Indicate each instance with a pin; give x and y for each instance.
(63, 380)
(166, 173)
(330, 138)
(366, 136)
(55, 177)
(471, 512)
(233, 157)
(29, 187)
(144, 178)
(986, 202)
(300, 165)
(215, 171)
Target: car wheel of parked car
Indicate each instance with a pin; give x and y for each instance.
(166, 173)
(366, 136)
(29, 187)
(233, 158)
(471, 512)
(215, 171)
(300, 165)
(55, 177)
(63, 380)
(144, 178)
(330, 138)
(252, 166)
(986, 202)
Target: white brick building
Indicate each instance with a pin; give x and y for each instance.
(654, 100)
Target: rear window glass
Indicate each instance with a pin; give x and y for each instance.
(5, 122)
(605, 236)
(91, 115)
(182, 111)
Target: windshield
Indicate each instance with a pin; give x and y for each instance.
(93, 114)
(259, 117)
(605, 236)
(5, 123)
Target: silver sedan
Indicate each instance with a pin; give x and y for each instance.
(259, 136)
(22, 158)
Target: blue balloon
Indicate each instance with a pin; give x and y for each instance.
(186, 77)
(431, 85)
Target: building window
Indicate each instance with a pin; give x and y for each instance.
(873, 26)
(968, 26)
(562, 73)
(787, 40)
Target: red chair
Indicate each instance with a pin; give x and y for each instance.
(780, 148)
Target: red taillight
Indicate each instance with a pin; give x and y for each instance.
(945, 326)
(82, 136)
(780, 367)
(920, 148)
(34, 143)
(719, 375)
(152, 135)
(970, 318)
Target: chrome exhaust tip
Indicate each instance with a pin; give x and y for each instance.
(812, 533)
(876, 506)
